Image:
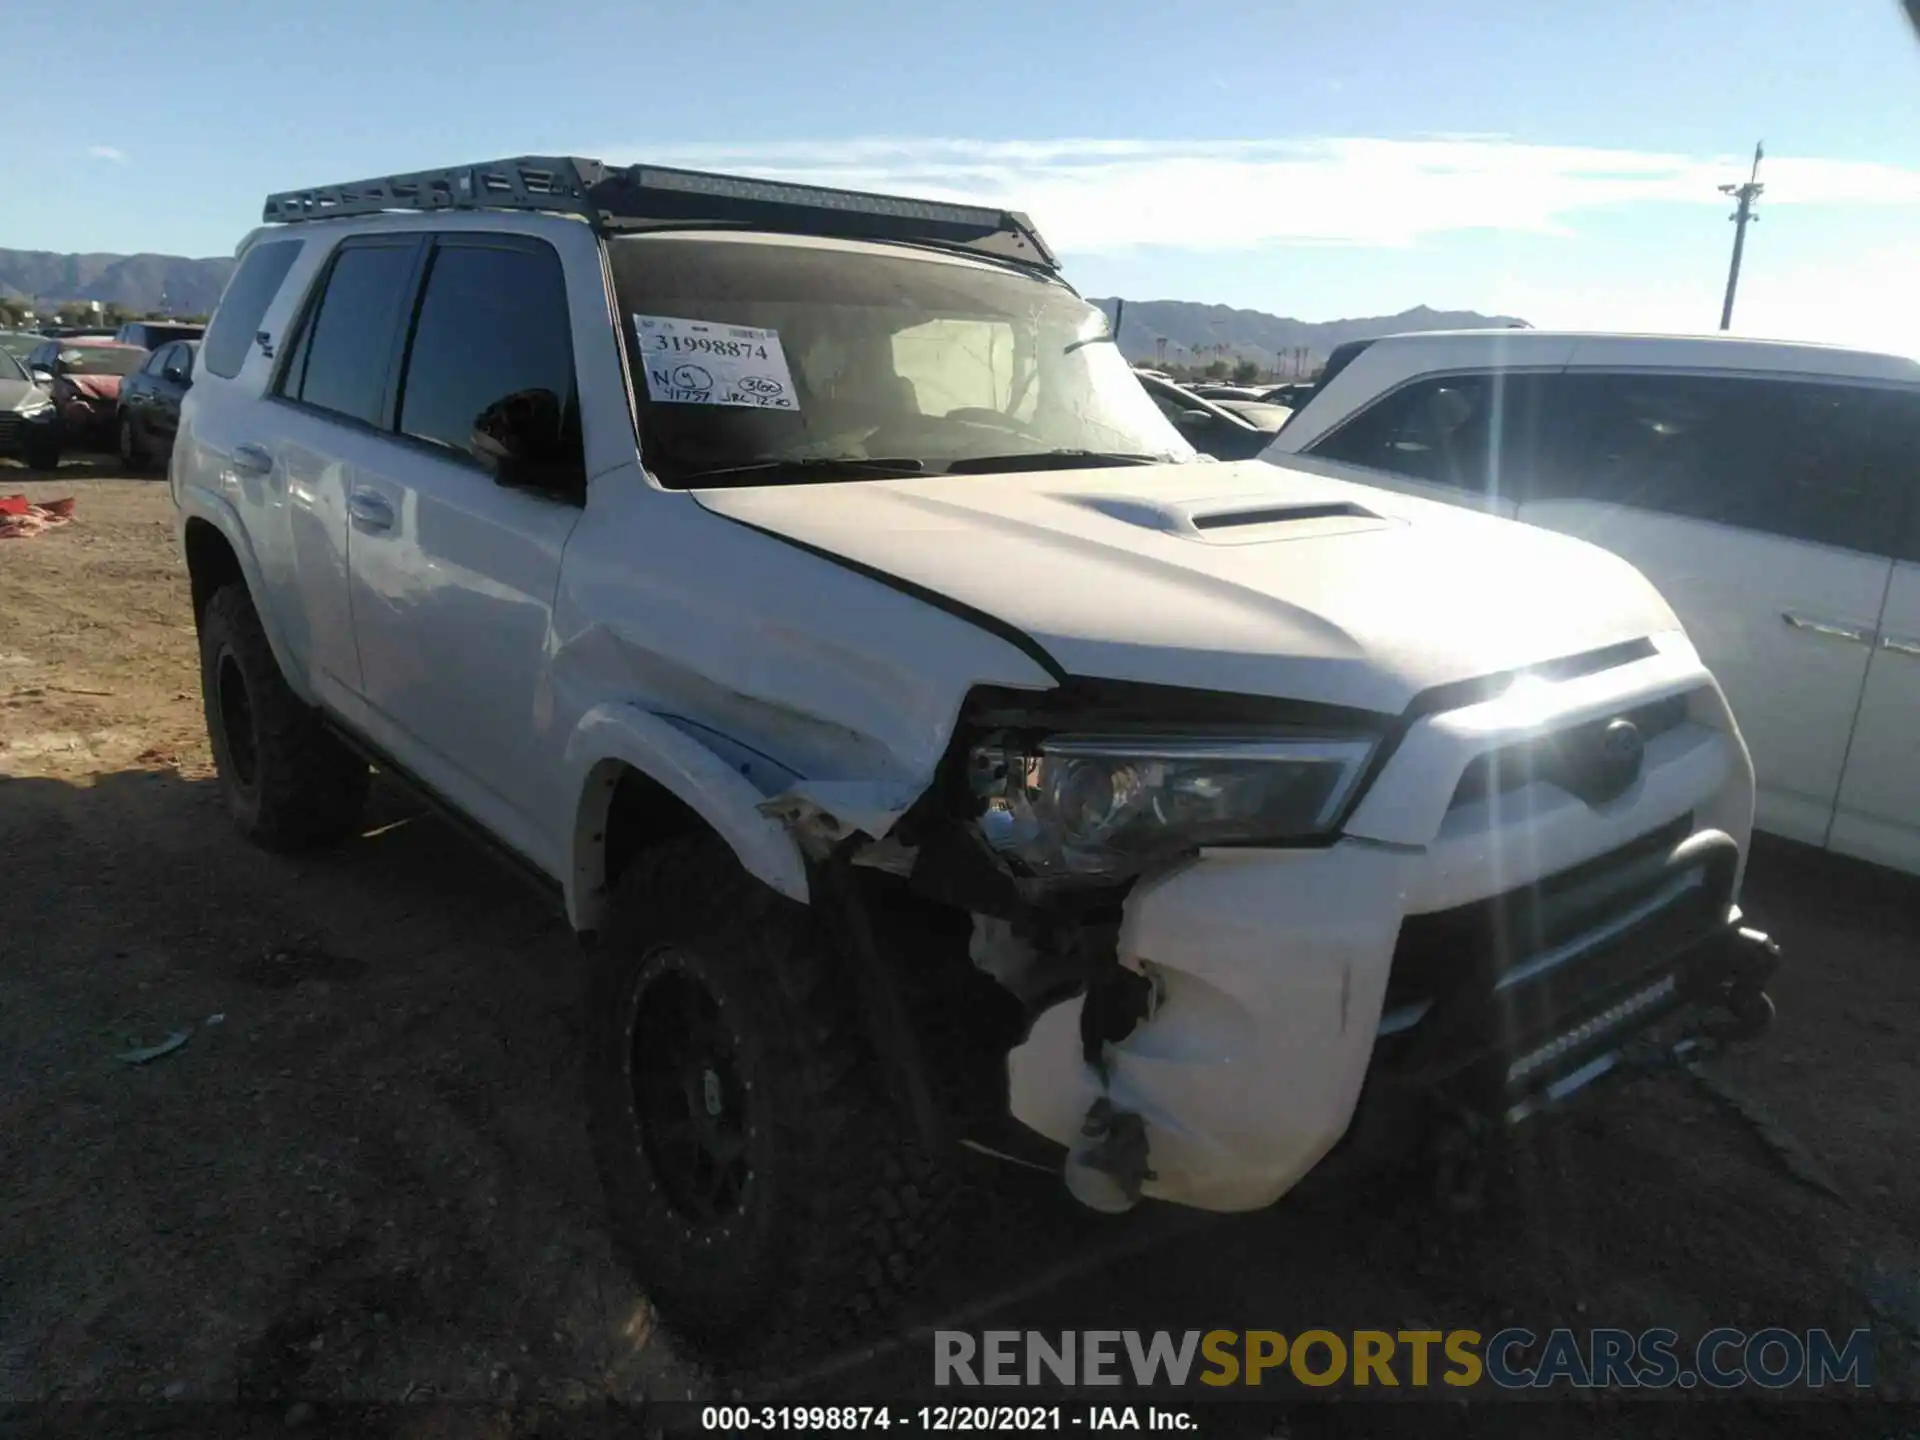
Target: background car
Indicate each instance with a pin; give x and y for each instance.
(21, 343)
(152, 334)
(1768, 489)
(29, 423)
(150, 404)
(1207, 425)
(83, 375)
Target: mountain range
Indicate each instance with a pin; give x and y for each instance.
(1194, 333)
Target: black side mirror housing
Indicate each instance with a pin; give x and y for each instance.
(521, 438)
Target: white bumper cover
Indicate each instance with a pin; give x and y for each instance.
(1273, 964)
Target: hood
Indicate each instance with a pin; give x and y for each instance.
(1247, 578)
(95, 387)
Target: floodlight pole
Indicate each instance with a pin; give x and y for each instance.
(1746, 194)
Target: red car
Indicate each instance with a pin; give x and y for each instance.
(83, 375)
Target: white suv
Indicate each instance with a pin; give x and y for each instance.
(1771, 491)
(799, 583)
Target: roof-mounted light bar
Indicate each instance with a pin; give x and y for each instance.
(636, 197)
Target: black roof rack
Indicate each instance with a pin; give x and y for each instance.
(625, 198)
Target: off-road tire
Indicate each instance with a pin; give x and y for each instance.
(132, 456)
(289, 782)
(843, 1211)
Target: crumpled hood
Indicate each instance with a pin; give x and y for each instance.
(1249, 578)
(95, 387)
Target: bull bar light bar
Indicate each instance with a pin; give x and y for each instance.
(626, 198)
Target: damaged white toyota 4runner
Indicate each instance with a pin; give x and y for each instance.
(937, 749)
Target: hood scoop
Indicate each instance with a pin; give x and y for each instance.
(1281, 515)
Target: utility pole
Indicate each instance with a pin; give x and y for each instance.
(1746, 194)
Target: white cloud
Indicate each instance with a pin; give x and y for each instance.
(1093, 196)
(107, 152)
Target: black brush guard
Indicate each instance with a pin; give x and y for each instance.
(1506, 1007)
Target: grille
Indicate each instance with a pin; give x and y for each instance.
(1499, 772)
(9, 428)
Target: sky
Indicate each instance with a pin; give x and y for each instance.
(1552, 159)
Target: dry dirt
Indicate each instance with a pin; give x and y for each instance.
(363, 1176)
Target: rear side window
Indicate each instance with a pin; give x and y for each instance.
(1796, 458)
(492, 327)
(1476, 432)
(248, 294)
(340, 361)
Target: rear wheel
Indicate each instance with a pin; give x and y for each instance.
(767, 1194)
(290, 784)
(132, 456)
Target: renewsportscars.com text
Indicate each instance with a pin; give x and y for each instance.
(1509, 1359)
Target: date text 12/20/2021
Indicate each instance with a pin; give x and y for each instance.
(943, 1419)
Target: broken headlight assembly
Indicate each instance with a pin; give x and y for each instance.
(1106, 807)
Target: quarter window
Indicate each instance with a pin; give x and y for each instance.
(340, 362)
(1473, 432)
(1806, 460)
(492, 331)
(244, 305)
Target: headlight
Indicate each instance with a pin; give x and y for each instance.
(1107, 807)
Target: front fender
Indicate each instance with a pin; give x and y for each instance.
(193, 502)
(613, 735)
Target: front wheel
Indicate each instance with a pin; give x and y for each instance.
(43, 455)
(290, 784)
(767, 1195)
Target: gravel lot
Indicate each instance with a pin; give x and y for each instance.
(368, 1179)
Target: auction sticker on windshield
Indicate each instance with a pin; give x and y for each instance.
(696, 362)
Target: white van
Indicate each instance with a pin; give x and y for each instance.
(1771, 491)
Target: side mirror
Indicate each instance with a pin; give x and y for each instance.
(177, 375)
(41, 375)
(1193, 419)
(519, 438)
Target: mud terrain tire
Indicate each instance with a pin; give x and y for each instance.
(836, 1211)
(290, 784)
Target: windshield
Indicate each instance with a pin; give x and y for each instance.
(794, 354)
(19, 344)
(10, 368)
(101, 360)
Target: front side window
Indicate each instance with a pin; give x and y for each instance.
(251, 290)
(1797, 458)
(842, 352)
(492, 330)
(340, 361)
(1470, 432)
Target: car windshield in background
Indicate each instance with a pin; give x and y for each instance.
(759, 361)
(10, 368)
(101, 359)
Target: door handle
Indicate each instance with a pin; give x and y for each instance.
(371, 510)
(252, 460)
(1831, 629)
(1901, 644)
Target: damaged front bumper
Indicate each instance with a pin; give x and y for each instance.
(1294, 1000)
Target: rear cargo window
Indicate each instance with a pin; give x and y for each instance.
(248, 294)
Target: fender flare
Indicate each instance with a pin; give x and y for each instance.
(197, 503)
(616, 735)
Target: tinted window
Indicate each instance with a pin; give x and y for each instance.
(340, 363)
(247, 296)
(1811, 461)
(1475, 432)
(492, 325)
(1903, 449)
(157, 362)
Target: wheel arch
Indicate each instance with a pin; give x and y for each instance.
(217, 552)
(636, 779)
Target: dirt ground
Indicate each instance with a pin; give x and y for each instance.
(364, 1176)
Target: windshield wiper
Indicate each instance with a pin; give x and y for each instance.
(819, 467)
(1051, 460)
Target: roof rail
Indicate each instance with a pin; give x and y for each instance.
(625, 198)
